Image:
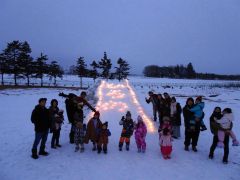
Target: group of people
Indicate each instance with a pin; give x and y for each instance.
(169, 113)
(166, 108)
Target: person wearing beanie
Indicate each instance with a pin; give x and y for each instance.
(197, 109)
(57, 119)
(93, 127)
(226, 128)
(104, 133)
(42, 123)
(140, 135)
(127, 131)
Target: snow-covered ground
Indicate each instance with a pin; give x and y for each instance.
(114, 99)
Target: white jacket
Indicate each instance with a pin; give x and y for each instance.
(225, 121)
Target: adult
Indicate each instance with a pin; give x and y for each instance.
(176, 111)
(56, 122)
(153, 98)
(41, 120)
(192, 130)
(214, 126)
(166, 110)
(161, 107)
(71, 107)
(93, 127)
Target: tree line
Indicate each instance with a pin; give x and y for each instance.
(16, 59)
(181, 71)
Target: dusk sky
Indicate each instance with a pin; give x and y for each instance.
(144, 32)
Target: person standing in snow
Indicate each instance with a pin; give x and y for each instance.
(167, 103)
(197, 109)
(80, 129)
(214, 126)
(140, 135)
(104, 133)
(93, 127)
(41, 120)
(161, 107)
(192, 130)
(226, 128)
(57, 118)
(165, 140)
(153, 98)
(127, 131)
(176, 111)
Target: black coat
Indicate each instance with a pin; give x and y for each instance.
(41, 119)
(154, 100)
(188, 116)
(176, 119)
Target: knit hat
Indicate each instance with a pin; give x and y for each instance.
(128, 114)
(97, 113)
(199, 98)
(139, 118)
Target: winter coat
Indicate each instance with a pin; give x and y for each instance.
(92, 130)
(141, 131)
(214, 126)
(154, 100)
(226, 121)
(71, 109)
(103, 136)
(188, 116)
(56, 119)
(128, 127)
(85, 102)
(176, 118)
(166, 108)
(165, 140)
(197, 109)
(41, 119)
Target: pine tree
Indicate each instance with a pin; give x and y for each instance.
(191, 73)
(106, 65)
(25, 62)
(81, 69)
(122, 71)
(12, 54)
(94, 72)
(55, 71)
(4, 68)
(41, 67)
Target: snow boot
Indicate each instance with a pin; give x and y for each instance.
(210, 156)
(225, 161)
(53, 147)
(77, 148)
(58, 145)
(194, 149)
(139, 150)
(34, 154)
(120, 148)
(186, 148)
(94, 147)
(42, 152)
(127, 147)
(203, 128)
(71, 137)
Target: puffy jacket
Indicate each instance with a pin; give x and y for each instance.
(41, 119)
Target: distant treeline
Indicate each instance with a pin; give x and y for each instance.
(16, 59)
(181, 71)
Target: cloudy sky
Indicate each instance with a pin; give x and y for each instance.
(144, 32)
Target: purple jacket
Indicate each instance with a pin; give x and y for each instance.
(141, 131)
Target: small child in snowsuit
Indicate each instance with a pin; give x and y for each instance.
(165, 139)
(140, 135)
(80, 129)
(104, 133)
(127, 131)
(226, 125)
(198, 113)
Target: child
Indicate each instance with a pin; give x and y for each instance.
(127, 131)
(93, 127)
(103, 138)
(140, 135)
(80, 129)
(198, 112)
(226, 125)
(165, 139)
(57, 119)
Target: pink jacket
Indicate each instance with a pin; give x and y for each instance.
(141, 131)
(165, 140)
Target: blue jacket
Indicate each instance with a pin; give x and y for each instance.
(198, 109)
